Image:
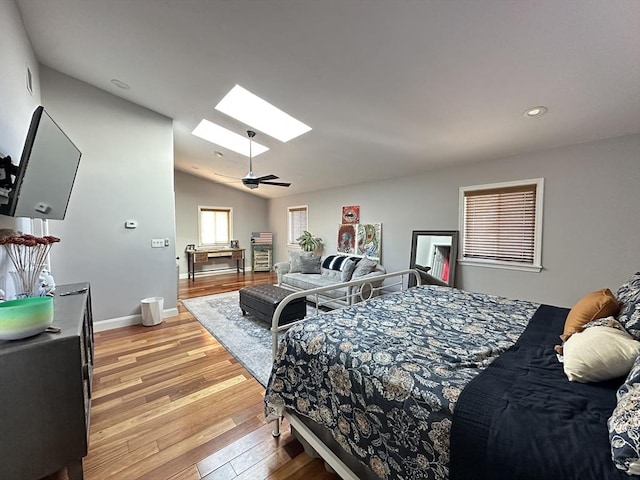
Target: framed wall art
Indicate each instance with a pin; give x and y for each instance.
(351, 214)
(369, 240)
(347, 238)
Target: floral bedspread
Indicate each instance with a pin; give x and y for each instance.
(384, 375)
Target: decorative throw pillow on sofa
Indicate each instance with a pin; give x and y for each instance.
(599, 353)
(338, 267)
(310, 264)
(365, 266)
(347, 270)
(294, 260)
(624, 428)
(337, 262)
(598, 304)
(628, 296)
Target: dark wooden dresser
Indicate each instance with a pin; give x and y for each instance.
(45, 393)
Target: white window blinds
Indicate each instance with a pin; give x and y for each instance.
(297, 220)
(215, 226)
(502, 224)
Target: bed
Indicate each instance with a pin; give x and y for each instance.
(433, 382)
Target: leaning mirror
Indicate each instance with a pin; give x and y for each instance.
(434, 254)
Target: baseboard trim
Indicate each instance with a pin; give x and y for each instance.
(129, 320)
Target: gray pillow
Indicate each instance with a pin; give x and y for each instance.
(294, 260)
(348, 266)
(365, 266)
(310, 264)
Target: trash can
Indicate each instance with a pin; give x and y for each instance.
(151, 311)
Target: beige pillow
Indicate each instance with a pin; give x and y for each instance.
(599, 353)
(598, 304)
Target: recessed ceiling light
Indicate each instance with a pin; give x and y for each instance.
(536, 111)
(252, 110)
(213, 133)
(194, 167)
(120, 84)
(219, 154)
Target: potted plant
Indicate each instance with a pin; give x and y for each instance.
(308, 242)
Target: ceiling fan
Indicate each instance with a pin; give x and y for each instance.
(250, 180)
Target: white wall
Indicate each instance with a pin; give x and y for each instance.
(250, 214)
(125, 173)
(591, 229)
(16, 105)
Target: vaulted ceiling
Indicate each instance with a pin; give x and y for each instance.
(390, 87)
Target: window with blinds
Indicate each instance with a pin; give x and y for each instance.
(297, 218)
(502, 224)
(214, 225)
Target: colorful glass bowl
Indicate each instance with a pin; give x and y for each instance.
(25, 317)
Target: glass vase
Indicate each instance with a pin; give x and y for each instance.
(24, 283)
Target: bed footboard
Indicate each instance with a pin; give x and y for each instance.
(365, 288)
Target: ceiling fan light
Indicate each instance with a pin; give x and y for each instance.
(251, 180)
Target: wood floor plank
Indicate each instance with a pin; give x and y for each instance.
(103, 390)
(100, 457)
(189, 473)
(258, 453)
(206, 411)
(162, 408)
(274, 462)
(225, 472)
(189, 423)
(151, 367)
(117, 468)
(225, 455)
(201, 451)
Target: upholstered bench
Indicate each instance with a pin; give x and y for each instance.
(261, 301)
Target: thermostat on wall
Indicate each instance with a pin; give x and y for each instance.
(42, 207)
(130, 224)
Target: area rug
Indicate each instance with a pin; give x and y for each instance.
(245, 337)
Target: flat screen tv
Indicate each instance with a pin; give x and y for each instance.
(44, 178)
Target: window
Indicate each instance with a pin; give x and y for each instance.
(501, 224)
(296, 223)
(214, 224)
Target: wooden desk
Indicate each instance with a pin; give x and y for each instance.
(203, 256)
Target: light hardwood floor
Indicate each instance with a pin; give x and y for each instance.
(169, 402)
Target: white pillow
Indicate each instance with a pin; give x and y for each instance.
(599, 353)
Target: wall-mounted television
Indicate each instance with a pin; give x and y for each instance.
(44, 178)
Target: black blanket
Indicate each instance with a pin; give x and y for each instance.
(522, 419)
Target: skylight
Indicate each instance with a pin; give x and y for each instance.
(252, 110)
(213, 133)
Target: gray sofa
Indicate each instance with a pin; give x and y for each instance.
(333, 269)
